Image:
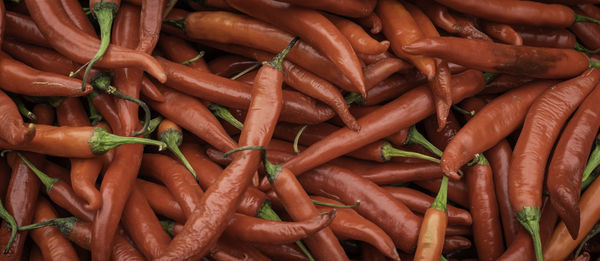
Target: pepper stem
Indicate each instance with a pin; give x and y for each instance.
(316, 202)
(223, 113)
(581, 48)
(95, 116)
(354, 97)
(179, 23)
(266, 212)
(152, 126)
(173, 138)
(278, 59)
(168, 226)
(488, 76)
(415, 137)
(529, 217)
(463, 111)
(244, 72)
(103, 141)
(595, 230)
(592, 163)
(45, 179)
(13, 226)
(200, 55)
(441, 200)
(23, 109)
(105, 13)
(297, 138)
(102, 81)
(583, 18)
(65, 225)
(589, 179)
(387, 152)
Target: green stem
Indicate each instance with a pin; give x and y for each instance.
(173, 138)
(529, 217)
(223, 113)
(244, 72)
(354, 97)
(583, 18)
(442, 258)
(95, 116)
(387, 152)
(179, 23)
(489, 76)
(581, 48)
(355, 205)
(589, 179)
(152, 126)
(102, 81)
(23, 109)
(13, 226)
(441, 200)
(103, 141)
(168, 226)
(65, 225)
(297, 138)
(200, 55)
(595, 230)
(45, 179)
(593, 64)
(415, 137)
(278, 59)
(592, 163)
(105, 13)
(266, 212)
(463, 111)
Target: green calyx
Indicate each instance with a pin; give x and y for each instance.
(278, 59)
(223, 113)
(489, 76)
(354, 97)
(103, 141)
(388, 151)
(45, 179)
(95, 116)
(415, 137)
(101, 81)
(271, 169)
(316, 202)
(173, 138)
(65, 225)
(200, 55)
(579, 47)
(529, 217)
(441, 200)
(10, 220)
(152, 126)
(105, 14)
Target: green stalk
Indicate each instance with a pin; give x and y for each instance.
(152, 126)
(297, 138)
(581, 48)
(588, 181)
(593, 64)
(102, 81)
(168, 226)
(354, 97)
(13, 226)
(529, 217)
(223, 113)
(173, 138)
(23, 109)
(65, 225)
(103, 141)
(591, 165)
(266, 212)
(415, 137)
(441, 200)
(316, 202)
(583, 18)
(244, 72)
(463, 111)
(489, 76)
(95, 116)
(387, 152)
(200, 55)
(45, 179)
(278, 59)
(180, 23)
(105, 13)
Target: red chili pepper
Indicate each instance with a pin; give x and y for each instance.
(314, 29)
(457, 190)
(529, 158)
(281, 252)
(372, 22)
(587, 32)
(351, 8)
(420, 202)
(53, 245)
(21, 27)
(361, 42)
(143, 227)
(75, 13)
(569, 160)
(161, 200)
(504, 82)
(547, 37)
(150, 90)
(401, 113)
(150, 24)
(230, 65)
(178, 50)
(107, 107)
(433, 227)
(503, 32)
(473, 139)
(535, 62)
(14, 130)
(393, 87)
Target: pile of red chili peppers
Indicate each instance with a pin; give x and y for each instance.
(299, 130)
